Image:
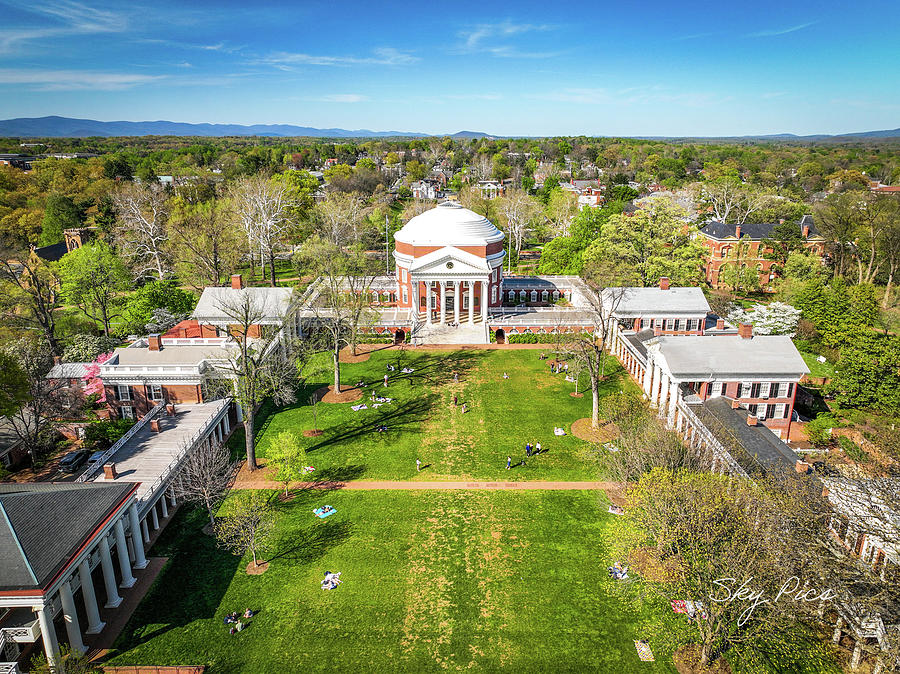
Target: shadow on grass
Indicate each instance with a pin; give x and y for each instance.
(394, 418)
(200, 571)
(304, 545)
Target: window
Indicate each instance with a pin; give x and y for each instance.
(790, 391)
(422, 301)
(755, 390)
(780, 411)
(723, 388)
(127, 411)
(403, 275)
(124, 393)
(405, 295)
(762, 412)
(545, 296)
(555, 295)
(752, 409)
(521, 295)
(744, 390)
(156, 392)
(765, 389)
(534, 295)
(465, 304)
(692, 324)
(493, 293)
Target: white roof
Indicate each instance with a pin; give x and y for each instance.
(274, 302)
(644, 302)
(449, 224)
(706, 356)
(68, 371)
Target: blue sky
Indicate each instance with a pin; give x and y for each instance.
(520, 68)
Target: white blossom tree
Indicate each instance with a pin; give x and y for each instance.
(776, 318)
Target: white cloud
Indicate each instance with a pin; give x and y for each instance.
(69, 80)
(384, 56)
(492, 38)
(344, 98)
(68, 18)
(774, 32)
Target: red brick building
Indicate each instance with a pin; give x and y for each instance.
(743, 244)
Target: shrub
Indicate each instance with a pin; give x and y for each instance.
(529, 338)
(853, 450)
(101, 435)
(819, 430)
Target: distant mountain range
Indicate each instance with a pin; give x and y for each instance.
(67, 127)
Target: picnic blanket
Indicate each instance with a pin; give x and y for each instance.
(308, 469)
(616, 510)
(610, 446)
(559, 431)
(570, 378)
(331, 580)
(407, 370)
(643, 651)
(361, 406)
(321, 513)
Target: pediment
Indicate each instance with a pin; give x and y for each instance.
(449, 261)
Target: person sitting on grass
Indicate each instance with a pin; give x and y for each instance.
(505, 376)
(249, 613)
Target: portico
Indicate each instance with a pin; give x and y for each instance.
(449, 266)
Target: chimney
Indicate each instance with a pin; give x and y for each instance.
(154, 342)
(752, 420)
(57, 360)
(109, 471)
(737, 231)
(720, 324)
(780, 221)
(663, 282)
(237, 282)
(154, 425)
(170, 409)
(745, 330)
(802, 467)
(657, 330)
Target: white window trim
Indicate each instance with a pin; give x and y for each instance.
(153, 389)
(126, 396)
(126, 412)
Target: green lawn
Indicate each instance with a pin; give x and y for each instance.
(503, 414)
(817, 369)
(432, 581)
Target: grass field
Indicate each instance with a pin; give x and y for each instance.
(432, 581)
(503, 414)
(817, 369)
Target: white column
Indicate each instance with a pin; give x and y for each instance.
(648, 377)
(140, 561)
(442, 296)
(90, 598)
(154, 517)
(471, 302)
(673, 401)
(109, 575)
(122, 553)
(145, 530)
(663, 395)
(484, 301)
(165, 508)
(655, 376)
(172, 501)
(456, 297)
(70, 617)
(428, 297)
(48, 634)
(417, 297)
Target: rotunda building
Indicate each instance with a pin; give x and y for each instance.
(449, 265)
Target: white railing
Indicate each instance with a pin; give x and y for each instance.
(10, 668)
(97, 466)
(113, 371)
(186, 448)
(720, 452)
(194, 341)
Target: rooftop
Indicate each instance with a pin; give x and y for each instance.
(148, 454)
(42, 525)
(273, 303)
(761, 446)
(449, 224)
(138, 354)
(639, 302)
(698, 357)
(756, 231)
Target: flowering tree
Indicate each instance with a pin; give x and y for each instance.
(776, 318)
(91, 375)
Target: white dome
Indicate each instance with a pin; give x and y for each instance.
(449, 224)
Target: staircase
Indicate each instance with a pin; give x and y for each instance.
(436, 333)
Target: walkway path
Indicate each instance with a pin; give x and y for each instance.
(367, 485)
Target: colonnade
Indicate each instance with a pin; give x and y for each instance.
(458, 293)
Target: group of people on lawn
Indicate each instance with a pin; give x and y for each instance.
(237, 621)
